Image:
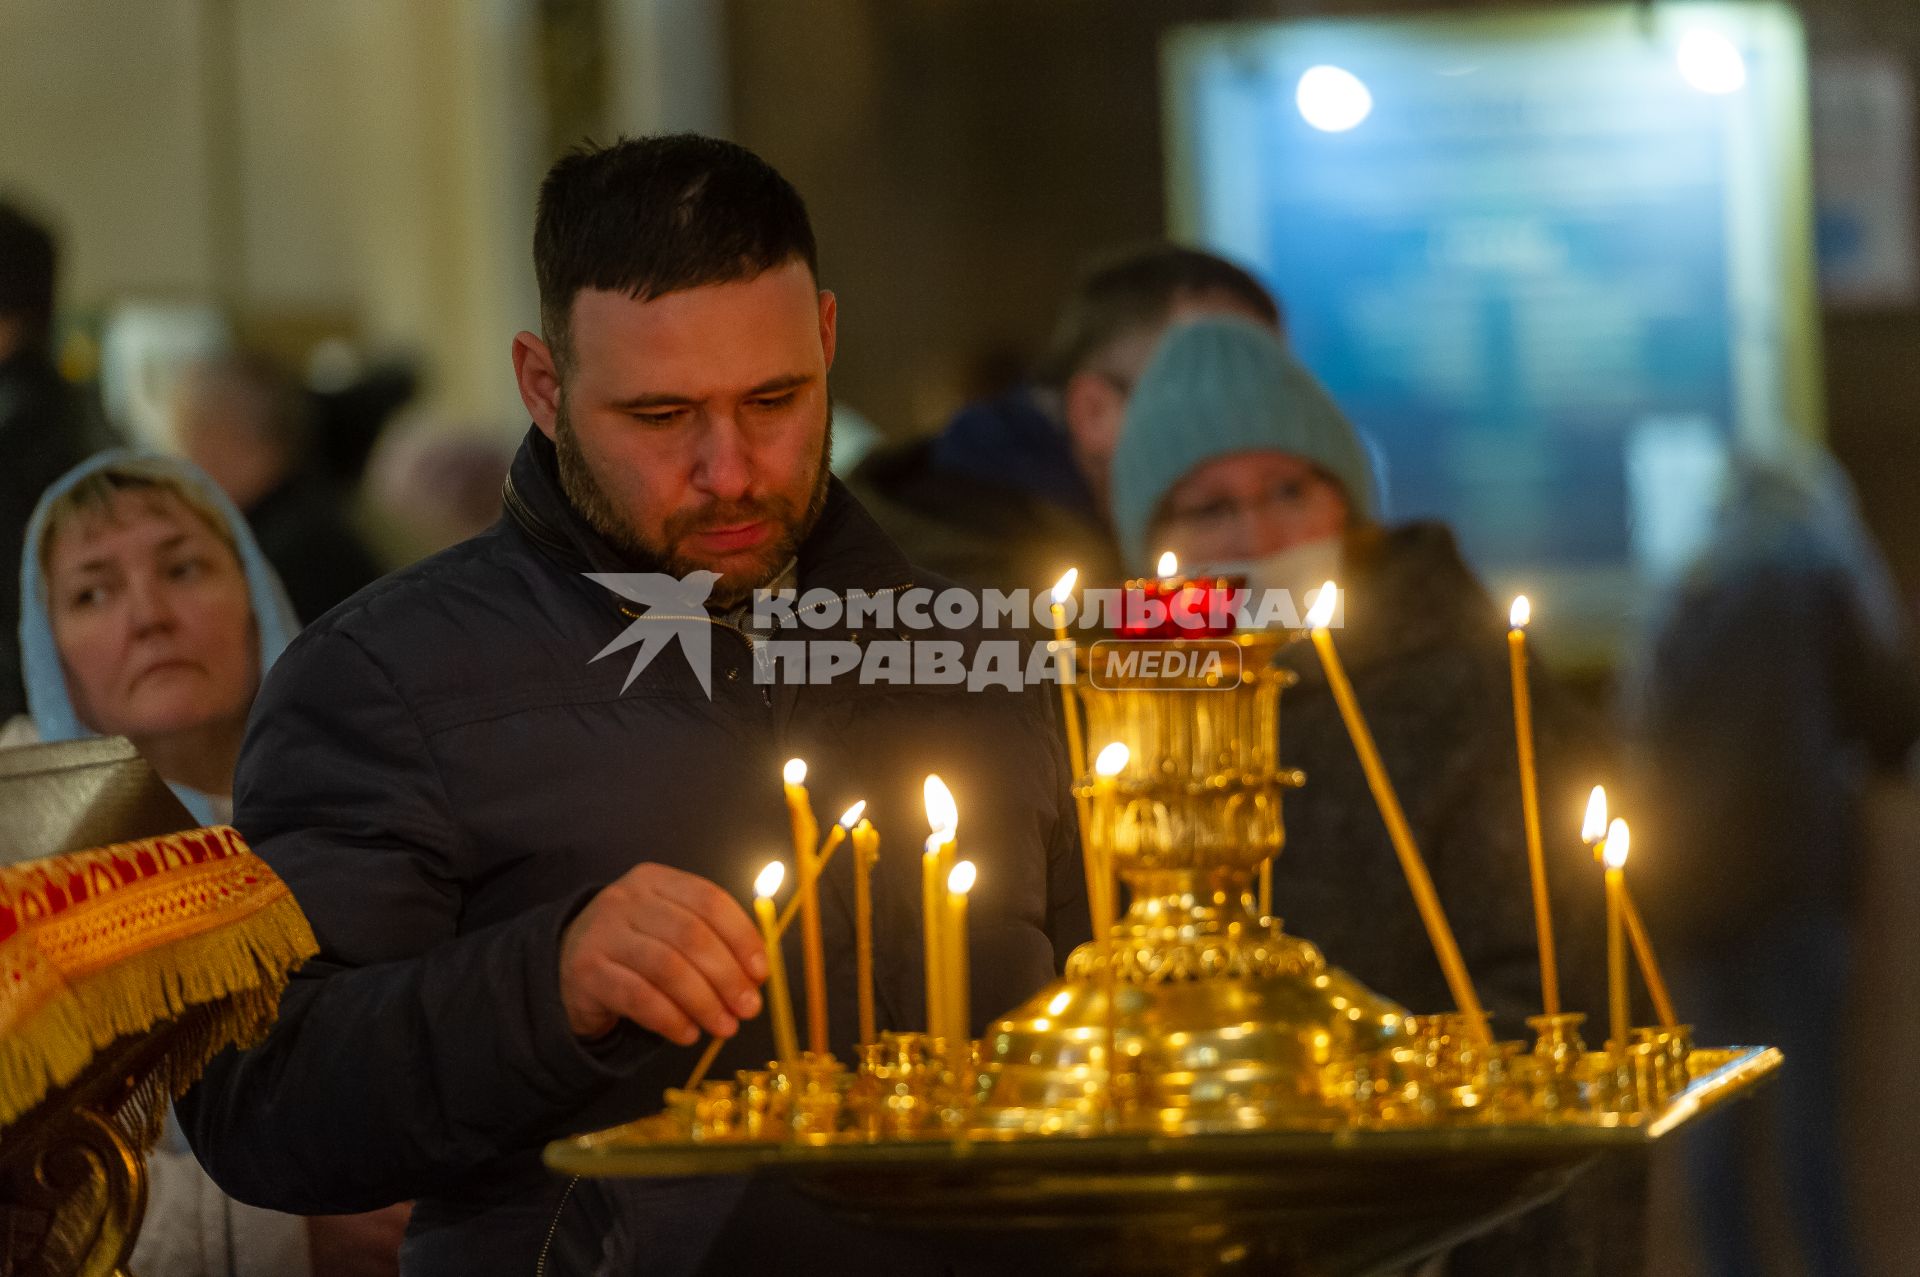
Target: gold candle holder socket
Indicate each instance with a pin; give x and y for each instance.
(1559, 1054)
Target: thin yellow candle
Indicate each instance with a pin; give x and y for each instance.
(1643, 953)
(1062, 591)
(786, 1048)
(1092, 863)
(943, 816)
(1107, 768)
(1530, 802)
(959, 1014)
(1615, 856)
(1593, 832)
(1112, 761)
(933, 954)
(1425, 898)
(704, 1063)
(866, 853)
(835, 836)
(806, 833)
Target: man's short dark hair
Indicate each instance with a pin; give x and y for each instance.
(655, 215)
(1136, 289)
(28, 259)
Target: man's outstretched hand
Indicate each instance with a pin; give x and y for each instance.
(668, 950)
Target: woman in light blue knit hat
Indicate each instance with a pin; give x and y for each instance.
(1234, 457)
(1232, 453)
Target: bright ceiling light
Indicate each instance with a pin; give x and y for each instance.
(1332, 100)
(1710, 62)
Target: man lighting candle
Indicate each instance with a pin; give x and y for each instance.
(522, 862)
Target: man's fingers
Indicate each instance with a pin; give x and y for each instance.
(694, 938)
(670, 972)
(635, 997)
(720, 912)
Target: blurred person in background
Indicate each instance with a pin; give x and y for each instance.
(352, 400)
(43, 430)
(1236, 459)
(149, 612)
(432, 483)
(1778, 673)
(1015, 487)
(249, 426)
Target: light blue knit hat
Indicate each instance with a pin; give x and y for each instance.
(1220, 385)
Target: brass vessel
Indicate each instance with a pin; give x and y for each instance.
(1195, 1013)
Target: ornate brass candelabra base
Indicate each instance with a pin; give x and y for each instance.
(1193, 1016)
(1352, 1202)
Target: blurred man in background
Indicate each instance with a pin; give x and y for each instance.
(1779, 675)
(245, 423)
(1015, 488)
(43, 432)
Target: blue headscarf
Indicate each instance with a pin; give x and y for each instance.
(47, 696)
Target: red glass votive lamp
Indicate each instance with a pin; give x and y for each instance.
(1180, 607)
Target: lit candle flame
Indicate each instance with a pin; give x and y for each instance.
(851, 816)
(943, 817)
(1594, 827)
(1324, 602)
(1617, 842)
(1113, 759)
(1064, 587)
(960, 881)
(1169, 566)
(767, 885)
(1059, 1002)
(1522, 613)
(795, 772)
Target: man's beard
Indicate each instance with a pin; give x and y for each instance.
(584, 491)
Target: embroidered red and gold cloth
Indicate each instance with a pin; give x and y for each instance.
(99, 945)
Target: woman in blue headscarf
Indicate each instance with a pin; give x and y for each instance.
(147, 611)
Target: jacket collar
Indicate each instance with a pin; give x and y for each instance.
(845, 551)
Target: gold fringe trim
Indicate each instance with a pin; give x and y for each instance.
(233, 974)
